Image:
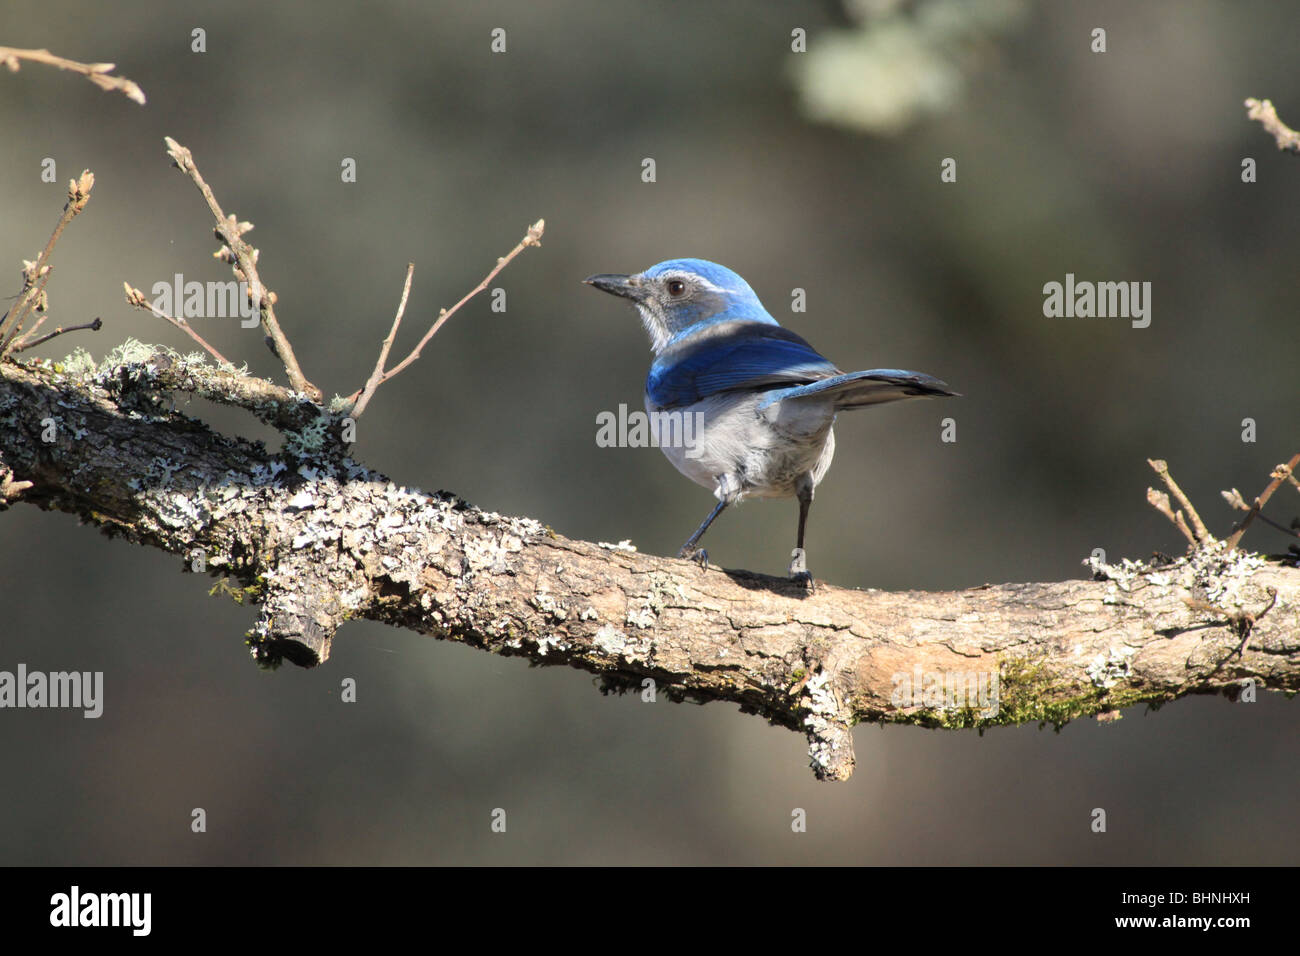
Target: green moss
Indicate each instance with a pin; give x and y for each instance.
(240, 595)
(1028, 692)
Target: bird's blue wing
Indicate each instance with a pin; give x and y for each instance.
(731, 356)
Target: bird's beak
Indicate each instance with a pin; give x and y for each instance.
(629, 287)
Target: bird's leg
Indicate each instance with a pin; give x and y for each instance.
(798, 558)
(699, 555)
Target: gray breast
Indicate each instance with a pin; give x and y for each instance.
(756, 453)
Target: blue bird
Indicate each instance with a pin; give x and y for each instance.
(763, 399)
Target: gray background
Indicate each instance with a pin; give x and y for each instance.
(1122, 166)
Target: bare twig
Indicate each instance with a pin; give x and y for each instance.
(36, 274)
(97, 73)
(377, 375)
(1280, 474)
(1262, 111)
(1236, 501)
(243, 260)
(1203, 535)
(26, 342)
(137, 298)
(532, 238)
(40, 320)
(32, 297)
(1160, 501)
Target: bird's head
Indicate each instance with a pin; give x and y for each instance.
(681, 295)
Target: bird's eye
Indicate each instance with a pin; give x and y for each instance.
(676, 287)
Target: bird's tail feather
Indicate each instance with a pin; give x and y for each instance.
(873, 387)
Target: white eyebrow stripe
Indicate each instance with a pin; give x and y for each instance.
(695, 277)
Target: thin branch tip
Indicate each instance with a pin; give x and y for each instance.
(1198, 533)
(136, 299)
(97, 73)
(1279, 474)
(36, 274)
(27, 342)
(362, 396)
(367, 392)
(243, 262)
(1263, 112)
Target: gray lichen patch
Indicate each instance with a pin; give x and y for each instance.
(662, 592)
(830, 739)
(610, 640)
(1211, 573)
(1108, 669)
(491, 553)
(324, 538)
(624, 545)
(615, 642)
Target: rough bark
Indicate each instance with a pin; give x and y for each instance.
(316, 539)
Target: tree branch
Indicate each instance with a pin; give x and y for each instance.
(317, 540)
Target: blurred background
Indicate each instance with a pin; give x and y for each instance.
(817, 170)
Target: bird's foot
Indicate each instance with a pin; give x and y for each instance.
(799, 569)
(698, 555)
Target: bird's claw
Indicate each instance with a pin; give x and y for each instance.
(698, 555)
(799, 569)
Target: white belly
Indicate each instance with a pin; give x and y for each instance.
(725, 444)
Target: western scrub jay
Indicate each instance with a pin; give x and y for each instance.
(765, 400)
